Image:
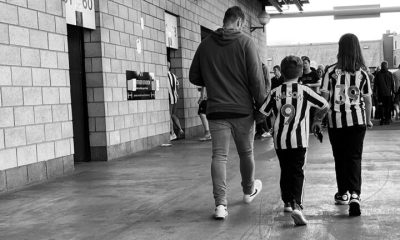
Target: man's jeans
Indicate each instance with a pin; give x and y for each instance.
(242, 130)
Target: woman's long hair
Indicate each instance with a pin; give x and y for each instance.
(350, 57)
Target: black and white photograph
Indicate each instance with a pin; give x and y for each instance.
(199, 119)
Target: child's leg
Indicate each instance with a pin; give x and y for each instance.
(297, 176)
(284, 162)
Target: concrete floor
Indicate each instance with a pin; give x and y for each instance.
(165, 193)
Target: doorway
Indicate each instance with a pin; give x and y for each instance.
(78, 93)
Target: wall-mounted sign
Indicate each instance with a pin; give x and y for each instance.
(171, 31)
(80, 13)
(138, 46)
(140, 85)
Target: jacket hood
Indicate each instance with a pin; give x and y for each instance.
(225, 37)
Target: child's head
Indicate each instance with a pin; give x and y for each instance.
(291, 67)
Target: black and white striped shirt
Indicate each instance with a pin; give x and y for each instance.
(346, 91)
(291, 103)
(172, 88)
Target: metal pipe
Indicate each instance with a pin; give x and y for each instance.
(350, 12)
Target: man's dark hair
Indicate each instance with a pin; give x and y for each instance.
(350, 57)
(232, 14)
(292, 67)
(398, 66)
(305, 58)
(384, 65)
(277, 67)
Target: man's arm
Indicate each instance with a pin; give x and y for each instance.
(255, 74)
(195, 71)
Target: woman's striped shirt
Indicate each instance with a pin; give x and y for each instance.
(346, 91)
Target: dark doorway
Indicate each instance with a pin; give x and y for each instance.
(78, 93)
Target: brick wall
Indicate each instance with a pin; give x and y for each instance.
(35, 109)
(119, 127)
(325, 53)
(36, 136)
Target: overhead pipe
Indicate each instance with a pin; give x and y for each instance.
(360, 12)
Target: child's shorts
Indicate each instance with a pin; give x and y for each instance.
(202, 107)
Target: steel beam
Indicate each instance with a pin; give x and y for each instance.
(361, 12)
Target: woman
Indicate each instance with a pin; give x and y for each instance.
(348, 90)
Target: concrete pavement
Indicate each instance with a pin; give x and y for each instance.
(166, 193)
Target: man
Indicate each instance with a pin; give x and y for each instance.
(278, 79)
(309, 78)
(384, 89)
(228, 65)
(396, 78)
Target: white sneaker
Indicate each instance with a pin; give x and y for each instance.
(172, 136)
(221, 212)
(287, 207)
(248, 198)
(298, 218)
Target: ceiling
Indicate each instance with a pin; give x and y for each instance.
(278, 4)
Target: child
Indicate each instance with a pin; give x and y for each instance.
(291, 104)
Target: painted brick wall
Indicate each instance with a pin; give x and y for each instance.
(325, 53)
(35, 103)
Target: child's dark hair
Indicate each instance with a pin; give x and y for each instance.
(350, 57)
(292, 67)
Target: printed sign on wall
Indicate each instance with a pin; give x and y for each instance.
(140, 85)
(171, 31)
(80, 13)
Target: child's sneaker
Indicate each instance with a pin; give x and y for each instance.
(341, 199)
(354, 205)
(221, 212)
(287, 207)
(298, 216)
(248, 198)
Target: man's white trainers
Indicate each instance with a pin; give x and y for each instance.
(221, 212)
(248, 198)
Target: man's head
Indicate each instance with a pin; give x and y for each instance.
(306, 63)
(384, 65)
(168, 64)
(292, 67)
(234, 18)
(277, 71)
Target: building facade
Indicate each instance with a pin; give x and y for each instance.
(325, 53)
(64, 89)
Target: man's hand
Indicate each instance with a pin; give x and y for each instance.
(317, 130)
(316, 127)
(370, 124)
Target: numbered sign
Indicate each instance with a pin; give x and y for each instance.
(80, 13)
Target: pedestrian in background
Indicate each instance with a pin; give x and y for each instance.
(202, 114)
(396, 78)
(173, 87)
(228, 65)
(347, 88)
(384, 89)
(263, 124)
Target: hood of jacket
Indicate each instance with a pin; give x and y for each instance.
(225, 36)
